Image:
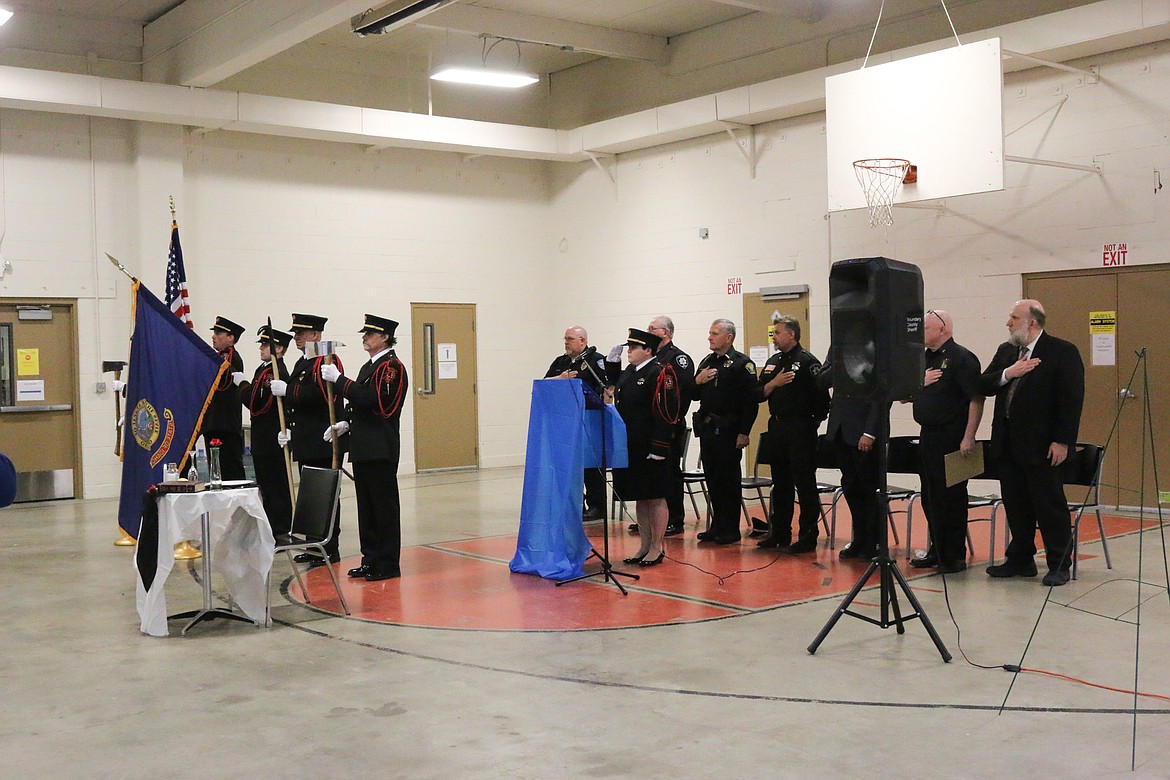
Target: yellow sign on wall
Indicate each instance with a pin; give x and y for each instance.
(28, 362)
(1102, 322)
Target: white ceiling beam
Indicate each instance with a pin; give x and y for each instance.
(474, 20)
(806, 10)
(203, 42)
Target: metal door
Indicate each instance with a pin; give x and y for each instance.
(446, 415)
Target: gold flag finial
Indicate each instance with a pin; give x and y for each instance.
(172, 200)
(118, 264)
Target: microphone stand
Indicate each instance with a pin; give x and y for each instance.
(607, 572)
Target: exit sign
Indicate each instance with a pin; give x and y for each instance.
(734, 285)
(1114, 254)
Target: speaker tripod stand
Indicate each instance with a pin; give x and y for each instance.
(890, 578)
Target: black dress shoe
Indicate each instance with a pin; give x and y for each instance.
(729, 539)
(951, 567)
(705, 536)
(592, 513)
(322, 561)
(1056, 577)
(1012, 569)
(653, 561)
(858, 551)
(632, 528)
(674, 529)
(634, 559)
(373, 575)
(928, 561)
(306, 557)
(806, 545)
(770, 542)
(359, 571)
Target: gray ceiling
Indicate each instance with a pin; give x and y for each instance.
(597, 58)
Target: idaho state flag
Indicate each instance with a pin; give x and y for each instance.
(172, 376)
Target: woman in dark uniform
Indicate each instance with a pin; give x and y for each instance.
(647, 397)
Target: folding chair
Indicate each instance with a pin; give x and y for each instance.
(758, 484)
(1083, 469)
(312, 527)
(827, 459)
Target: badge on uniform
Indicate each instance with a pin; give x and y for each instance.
(641, 380)
(751, 368)
(682, 361)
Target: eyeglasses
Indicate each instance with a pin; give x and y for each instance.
(935, 313)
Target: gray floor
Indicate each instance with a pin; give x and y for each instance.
(87, 695)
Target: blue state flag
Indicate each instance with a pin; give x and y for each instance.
(173, 374)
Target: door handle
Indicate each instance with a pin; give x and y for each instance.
(38, 408)
(1125, 394)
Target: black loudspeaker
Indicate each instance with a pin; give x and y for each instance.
(875, 315)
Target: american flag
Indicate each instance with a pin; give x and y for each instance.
(176, 293)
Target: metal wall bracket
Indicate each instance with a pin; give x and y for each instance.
(745, 141)
(605, 162)
(1054, 164)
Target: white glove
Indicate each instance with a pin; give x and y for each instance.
(279, 388)
(283, 438)
(121, 422)
(655, 457)
(329, 372)
(238, 378)
(615, 354)
(341, 428)
(117, 385)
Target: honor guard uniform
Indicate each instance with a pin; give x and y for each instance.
(307, 412)
(796, 407)
(589, 366)
(224, 419)
(725, 386)
(375, 407)
(669, 354)
(267, 454)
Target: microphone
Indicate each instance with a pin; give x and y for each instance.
(583, 359)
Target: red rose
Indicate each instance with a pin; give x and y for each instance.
(215, 443)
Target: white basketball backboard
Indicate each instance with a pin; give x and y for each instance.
(942, 111)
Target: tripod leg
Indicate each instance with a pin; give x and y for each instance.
(844, 605)
(890, 597)
(938, 643)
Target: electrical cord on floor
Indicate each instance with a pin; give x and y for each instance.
(723, 578)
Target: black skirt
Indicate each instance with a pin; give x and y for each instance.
(644, 479)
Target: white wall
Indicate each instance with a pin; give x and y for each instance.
(271, 226)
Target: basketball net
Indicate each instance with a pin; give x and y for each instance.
(880, 180)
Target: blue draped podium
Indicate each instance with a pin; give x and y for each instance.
(564, 438)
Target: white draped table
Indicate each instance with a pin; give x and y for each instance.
(237, 544)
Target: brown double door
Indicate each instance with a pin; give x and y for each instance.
(1117, 394)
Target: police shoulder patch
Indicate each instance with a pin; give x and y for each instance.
(682, 361)
(751, 367)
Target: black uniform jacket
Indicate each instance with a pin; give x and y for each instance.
(727, 404)
(307, 409)
(375, 407)
(648, 401)
(224, 413)
(257, 396)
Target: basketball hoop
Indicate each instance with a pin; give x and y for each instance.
(880, 179)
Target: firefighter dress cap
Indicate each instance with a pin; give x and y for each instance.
(640, 338)
(224, 325)
(308, 322)
(280, 336)
(375, 324)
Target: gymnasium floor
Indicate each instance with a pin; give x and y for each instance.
(462, 669)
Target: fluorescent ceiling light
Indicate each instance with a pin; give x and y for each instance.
(485, 78)
(4, 16)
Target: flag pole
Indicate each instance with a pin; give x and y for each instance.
(280, 414)
(124, 539)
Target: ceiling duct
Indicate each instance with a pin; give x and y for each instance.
(394, 15)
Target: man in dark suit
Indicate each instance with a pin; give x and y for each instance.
(852, 430)
(1038, 382)
(375, 407)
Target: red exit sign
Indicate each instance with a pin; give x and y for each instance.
(734, 285)
(1113, 254)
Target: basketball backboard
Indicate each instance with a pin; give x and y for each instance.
(942, 111)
